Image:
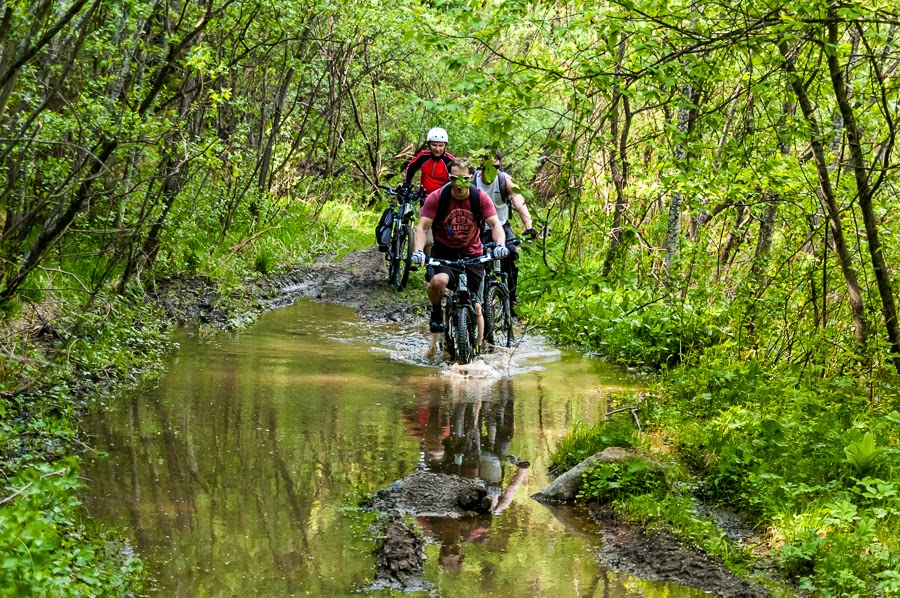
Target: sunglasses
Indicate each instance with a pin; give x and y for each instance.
(460, 178)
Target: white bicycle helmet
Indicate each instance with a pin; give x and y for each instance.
(437, 134)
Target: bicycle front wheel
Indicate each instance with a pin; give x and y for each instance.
(461, 335)
(406, 251)
(498, 326)
(396, 249)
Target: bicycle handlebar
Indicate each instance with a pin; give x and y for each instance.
(395, 191)
(491, 245)
(469, 261)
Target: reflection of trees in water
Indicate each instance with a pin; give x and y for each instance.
(225, 474)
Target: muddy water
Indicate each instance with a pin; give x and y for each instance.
(240, 471)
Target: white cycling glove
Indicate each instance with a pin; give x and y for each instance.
(418, 258)
(500, 252)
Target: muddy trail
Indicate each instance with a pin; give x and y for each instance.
(358, 281)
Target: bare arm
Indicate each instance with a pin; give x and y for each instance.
(420, 234)
(518, 203)
(496, 230)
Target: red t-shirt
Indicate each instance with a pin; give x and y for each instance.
(459, 230)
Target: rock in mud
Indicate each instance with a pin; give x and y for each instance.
(428, 494)
(566, 486)
(400, 558)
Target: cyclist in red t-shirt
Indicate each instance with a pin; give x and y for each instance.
(456, 236)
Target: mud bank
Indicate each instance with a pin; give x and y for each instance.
(426, 494)
(358, 280)
(400, 555)
(657, 555)
(400, 559)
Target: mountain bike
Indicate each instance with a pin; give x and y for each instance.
(497, 310)
(460, 317)
(400, 248)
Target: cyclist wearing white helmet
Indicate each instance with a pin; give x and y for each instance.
(434, 162)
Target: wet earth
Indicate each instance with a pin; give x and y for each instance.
(359, 281)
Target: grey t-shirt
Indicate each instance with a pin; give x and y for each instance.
(493, 191)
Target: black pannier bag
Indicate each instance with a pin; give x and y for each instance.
(383, 230)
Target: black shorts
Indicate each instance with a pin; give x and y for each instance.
(474, 273)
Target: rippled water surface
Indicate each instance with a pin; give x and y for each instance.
(240, 471)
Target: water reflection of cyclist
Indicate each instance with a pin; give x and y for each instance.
(498, 417)
(471, 437)
(455, 213)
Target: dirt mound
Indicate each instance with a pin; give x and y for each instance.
(657, 555)
(427, 494)
(400, 558)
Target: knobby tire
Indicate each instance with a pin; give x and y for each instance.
(406, 249)
(449, 332)
(498, 326)
(461, 335)
(394, 265)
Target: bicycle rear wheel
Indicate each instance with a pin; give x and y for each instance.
(498, 326)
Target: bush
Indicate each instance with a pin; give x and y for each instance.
(610, 481)
(584, 440)
(47, 550)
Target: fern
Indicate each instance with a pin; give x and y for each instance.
(862, 454)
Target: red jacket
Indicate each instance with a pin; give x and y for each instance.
(435, 171)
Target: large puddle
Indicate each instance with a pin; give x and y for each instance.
(240, 472)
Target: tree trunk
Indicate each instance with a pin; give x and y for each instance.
(618, 164)
(818, 148)
(863, 188)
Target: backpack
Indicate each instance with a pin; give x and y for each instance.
(504, 193)
(383, 230)
(444, 204)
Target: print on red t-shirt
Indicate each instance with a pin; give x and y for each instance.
(459, 229)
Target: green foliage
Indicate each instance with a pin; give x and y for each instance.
(789, 451)
(47, 551)
(623, 321)
(264, 262)
(584, 440)
(863, 454)
(610, 481)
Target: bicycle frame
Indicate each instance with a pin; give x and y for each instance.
(460, 299)
(400, 247)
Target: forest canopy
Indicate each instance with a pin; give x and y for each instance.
(738, 152)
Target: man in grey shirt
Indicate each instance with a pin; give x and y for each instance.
(499, 186)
